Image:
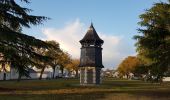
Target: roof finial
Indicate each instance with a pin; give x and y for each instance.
(91, 24)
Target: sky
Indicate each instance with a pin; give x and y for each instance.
(116, 22)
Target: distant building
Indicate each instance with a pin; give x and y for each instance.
(166, 79)
(13, 74)
(115, 74)
(34, 73)
(9, 73)
(110, 73)
(107, 73)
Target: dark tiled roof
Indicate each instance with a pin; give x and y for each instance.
(31, 70)
(91, 36)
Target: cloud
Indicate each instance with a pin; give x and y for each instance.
(69, 37)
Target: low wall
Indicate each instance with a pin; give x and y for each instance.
(166, 79)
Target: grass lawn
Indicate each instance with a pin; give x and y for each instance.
(69, 89)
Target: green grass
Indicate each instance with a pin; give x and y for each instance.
(69, 89)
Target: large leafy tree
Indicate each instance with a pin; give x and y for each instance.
(42, 65)
(55, 54)
(73, 66)
(153, 44)
(64, 60)
(16, 47)
(13, 16)
(128, 65)
(58, 58)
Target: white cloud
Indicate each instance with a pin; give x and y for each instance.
(69, 37)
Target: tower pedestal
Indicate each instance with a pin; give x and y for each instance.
(90, 75)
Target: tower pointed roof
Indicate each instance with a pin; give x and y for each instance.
(91, 36)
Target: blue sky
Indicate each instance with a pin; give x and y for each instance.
(115, 21)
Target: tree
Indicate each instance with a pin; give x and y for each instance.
(153, 45)
(73, 66)
(141, 71)
(16, 47)
(42, 64)
(58, 58)
(4, 68)
(55, 54)
(64, 61)
(128, 65)
(14, 17)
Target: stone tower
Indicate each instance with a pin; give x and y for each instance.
(91, 57)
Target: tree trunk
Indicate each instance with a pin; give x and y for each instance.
(127, 76)
(160, 79)
(19, 77)
(62, 71)
(4, 72)
(42, 71)
(76, 73)
(53, 73)
(4, 77)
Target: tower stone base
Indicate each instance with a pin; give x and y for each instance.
(90, 75)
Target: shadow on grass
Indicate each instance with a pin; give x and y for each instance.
(53, 97)
(119, 90)
(117, 95)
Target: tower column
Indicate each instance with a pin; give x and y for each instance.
(80, 76)
(85, 76)
(94, 75)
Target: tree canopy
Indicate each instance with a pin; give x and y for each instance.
(153, 42)
(16, 47)
(14, 17)
(73, 66)
(55, 54)
(128, 65)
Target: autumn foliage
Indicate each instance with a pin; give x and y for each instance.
(128, 66)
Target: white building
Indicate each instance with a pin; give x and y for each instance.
(34, 73)
(13, 74)
(9, 73)
(166, 79)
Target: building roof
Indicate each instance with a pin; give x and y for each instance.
(91, 36)
(35, 71)
(31, 70)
